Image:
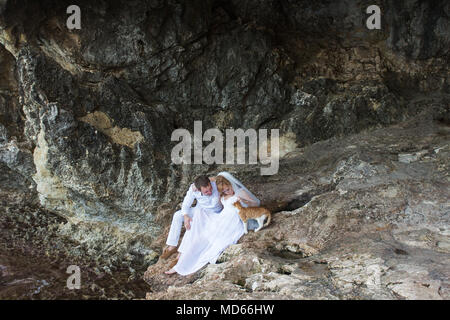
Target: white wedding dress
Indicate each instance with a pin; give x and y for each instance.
(209, 236)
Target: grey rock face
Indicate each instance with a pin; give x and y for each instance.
(86, 115)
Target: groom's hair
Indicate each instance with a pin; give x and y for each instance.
(201, 181)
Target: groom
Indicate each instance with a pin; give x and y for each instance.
(204, 190)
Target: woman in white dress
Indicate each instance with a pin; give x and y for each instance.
(207, 241)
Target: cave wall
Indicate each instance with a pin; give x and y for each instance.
(86, 115)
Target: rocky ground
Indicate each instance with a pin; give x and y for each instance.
(372, 223)
(35, 254)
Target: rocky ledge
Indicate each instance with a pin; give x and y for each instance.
(372, 223)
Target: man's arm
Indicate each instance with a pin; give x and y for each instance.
(186, 206)
(188, 200)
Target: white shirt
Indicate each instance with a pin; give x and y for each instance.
(210, 203)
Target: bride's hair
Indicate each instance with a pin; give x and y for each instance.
(221, 182)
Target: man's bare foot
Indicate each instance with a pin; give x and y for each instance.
(168, 251)
(171, 271)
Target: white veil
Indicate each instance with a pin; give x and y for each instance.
(238, 187)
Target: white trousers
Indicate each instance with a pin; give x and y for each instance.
(175, 228)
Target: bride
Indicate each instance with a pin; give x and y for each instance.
(210, 236)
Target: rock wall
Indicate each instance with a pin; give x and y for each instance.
(86, 115)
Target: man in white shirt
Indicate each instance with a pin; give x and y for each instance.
(204, 190)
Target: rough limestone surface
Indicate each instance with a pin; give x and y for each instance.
(86, 118)
(376, 227)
